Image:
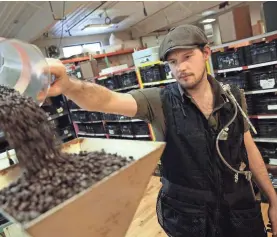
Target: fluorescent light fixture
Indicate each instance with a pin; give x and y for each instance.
(92, 26)
(209, 20)
(208, 13)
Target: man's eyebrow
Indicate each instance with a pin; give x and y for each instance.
(185, 53)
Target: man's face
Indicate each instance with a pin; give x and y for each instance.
(188, 66)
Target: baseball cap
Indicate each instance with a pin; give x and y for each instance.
(182, 37)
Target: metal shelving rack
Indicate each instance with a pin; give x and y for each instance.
(139, 85)
(241, 43)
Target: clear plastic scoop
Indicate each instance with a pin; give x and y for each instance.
(24, 68)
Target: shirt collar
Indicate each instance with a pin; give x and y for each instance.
(217, 89)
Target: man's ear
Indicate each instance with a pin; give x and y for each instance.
(207, 52)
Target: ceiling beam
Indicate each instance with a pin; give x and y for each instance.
(42, 20)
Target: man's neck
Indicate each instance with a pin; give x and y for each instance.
(202, 90)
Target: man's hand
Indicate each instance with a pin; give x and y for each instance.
(62, 81)
(272, 215)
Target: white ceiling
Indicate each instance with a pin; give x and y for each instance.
(29, 20)
(13, 16)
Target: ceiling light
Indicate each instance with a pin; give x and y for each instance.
(95, 26)
(208, 13)
(209, 20)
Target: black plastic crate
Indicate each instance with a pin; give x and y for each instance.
(266, 128)
(72, 105)
(141, 128)
(90, 128)
(250, 105)
(74, 116)
(82, 116)
(238, 79)
(94, 116)
(262, 80)
(268, 151)
(261, 52)
(152, 73)
(265, 104)
(122, 117)
(127, 129)
(65, 131)
(100, 82)
(98, 128)
(110, 116)
(229, 59)
(113, 129)
(82, 127)
(111, 83)
(127, 79)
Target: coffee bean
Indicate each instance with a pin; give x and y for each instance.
(50, 177)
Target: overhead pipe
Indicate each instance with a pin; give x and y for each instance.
(95, 9)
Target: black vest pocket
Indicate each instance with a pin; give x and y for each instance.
(183, 218)
(248, 222)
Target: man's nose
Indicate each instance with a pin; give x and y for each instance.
(181, 67)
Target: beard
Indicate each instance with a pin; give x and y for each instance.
(192, 83)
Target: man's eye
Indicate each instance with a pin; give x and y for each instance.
(172, 62)
(187, 56)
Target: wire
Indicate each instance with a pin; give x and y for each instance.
(53, 15)
(248, 174)
(62, 24)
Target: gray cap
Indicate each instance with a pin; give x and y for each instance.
(182, 37)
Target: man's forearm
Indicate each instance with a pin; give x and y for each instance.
(260, 174)
(88, 96)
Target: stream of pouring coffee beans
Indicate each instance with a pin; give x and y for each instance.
(50, 176)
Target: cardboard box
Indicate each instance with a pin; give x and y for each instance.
(106, 209)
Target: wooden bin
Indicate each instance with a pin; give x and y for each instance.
(106, 209)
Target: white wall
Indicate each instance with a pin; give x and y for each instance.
(68, 41)
(227, 27)
(255, 12)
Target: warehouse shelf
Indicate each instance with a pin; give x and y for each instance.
(246, 67)
(124, 121)
(98, 121)
(112, 121)
(260, 91)
(52, 117)
(265, 36)
(96, 56)
(75, 110)
(271, 116)
(91, 134)
(155, 83)
(105, 76)
(127, 88)
(261, 139)
(130, 136)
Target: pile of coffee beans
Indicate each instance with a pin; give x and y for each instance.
(50, 177)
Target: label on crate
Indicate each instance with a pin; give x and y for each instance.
(267, 84)
(272, 107)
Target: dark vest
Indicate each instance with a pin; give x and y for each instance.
(199, 196)
(190, 158)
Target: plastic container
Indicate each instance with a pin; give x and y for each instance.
(238, 79)
(228, 59)
(24, 68)
(265, 104)
(261, 52)
(263, 79)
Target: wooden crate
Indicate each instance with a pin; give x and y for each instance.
(106, 208)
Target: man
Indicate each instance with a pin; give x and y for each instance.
(200, 195)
